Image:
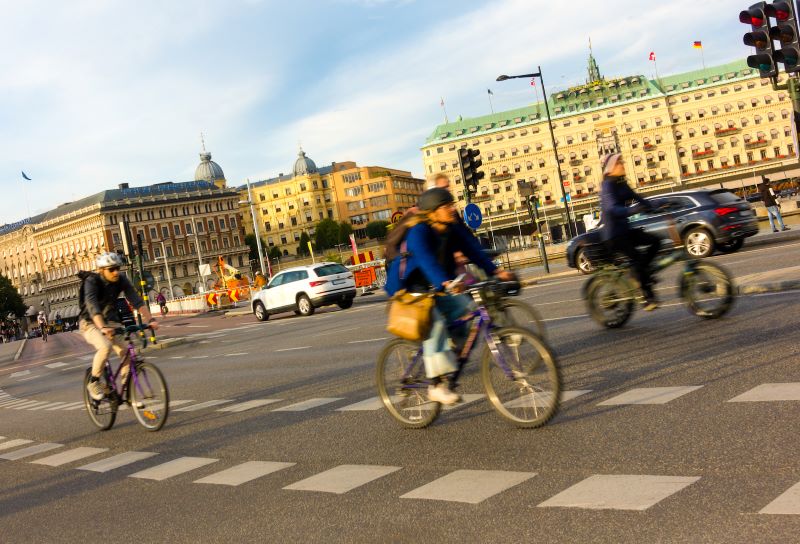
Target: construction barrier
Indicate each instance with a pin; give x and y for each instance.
(369, 276)
(204, 302)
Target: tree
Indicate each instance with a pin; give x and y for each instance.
(250, 240)
(302, 249)
(274, 252)
(326, 235)
(345, 230)
(10, 301)
(377, 229)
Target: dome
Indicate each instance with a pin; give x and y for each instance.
(207, 170)
(303, 165)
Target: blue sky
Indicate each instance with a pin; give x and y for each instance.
(94, 93)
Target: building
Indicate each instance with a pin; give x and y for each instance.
(288, 205)
(720, 126)
(182, 225)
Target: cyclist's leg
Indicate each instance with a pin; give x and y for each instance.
(627, 246)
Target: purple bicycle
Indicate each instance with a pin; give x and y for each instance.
(519, 372)
(144, 389)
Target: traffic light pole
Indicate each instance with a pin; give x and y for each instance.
(533, 211)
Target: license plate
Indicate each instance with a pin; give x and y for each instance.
(338, 282)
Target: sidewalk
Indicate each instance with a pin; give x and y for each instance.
(782, 279)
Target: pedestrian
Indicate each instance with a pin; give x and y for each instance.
(260, 281)
(771, 203)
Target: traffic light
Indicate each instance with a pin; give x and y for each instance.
(469, 161)
(759, 37)
(784, 31)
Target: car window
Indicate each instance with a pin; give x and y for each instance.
(724, 197)
(277, 280)
(329, 270)
(294, 276)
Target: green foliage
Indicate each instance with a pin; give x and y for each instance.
(377, 229)
(10, 301)
(333, 258)
(302, 249)
(250, 240)
(329, 233)
(274, 252)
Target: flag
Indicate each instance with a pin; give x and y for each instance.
(25, 176)
(698, 45)
(652, 56)
(489, 91)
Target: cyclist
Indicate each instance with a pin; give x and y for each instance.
(42, 320)
(615, 194)
(427, 263)
(99, 316)
(162, 303)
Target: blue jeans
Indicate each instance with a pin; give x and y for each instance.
(776, 211)
(436, 353)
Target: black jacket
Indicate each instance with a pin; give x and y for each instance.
(99, 297)
(767, 197)
(615, 194)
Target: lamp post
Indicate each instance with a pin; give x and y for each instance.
(166, 267)
(571, 231)
(199, 256)
(249, 202)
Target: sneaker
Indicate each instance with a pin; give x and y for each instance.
(650, 305)
(96, 390)
(774, 230)
(442, 394)
(138, 404)
(786, 228)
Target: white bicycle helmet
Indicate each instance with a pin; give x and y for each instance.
(108, 259)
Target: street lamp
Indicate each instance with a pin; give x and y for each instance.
(166, 267)
(199, 256)
(249, 202)
(571, 230)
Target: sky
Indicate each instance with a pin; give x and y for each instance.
(96, 93)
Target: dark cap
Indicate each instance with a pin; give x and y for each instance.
(434, 198)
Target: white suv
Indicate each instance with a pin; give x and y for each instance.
(305, 288)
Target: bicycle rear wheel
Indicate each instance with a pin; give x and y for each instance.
(102, 412)
(610, 301)
(520, 314)
(522, 379)
(149, 396)
(707, 290)
(402, 385)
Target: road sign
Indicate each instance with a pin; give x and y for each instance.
(211, 298)
(473, 216)
(566, 183)
(396, 217)
(233, 294)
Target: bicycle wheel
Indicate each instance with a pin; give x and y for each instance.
(707, 290)
(102, 412)
(149, 396)
(611, 301)
(522, 379)
(516, 313)
(402, 385)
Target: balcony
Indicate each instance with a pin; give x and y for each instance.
(752, 144)
(704, 154)
(727, 131)
(649, 147)
(577, 161)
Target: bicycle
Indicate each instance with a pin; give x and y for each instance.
(164, 310)
(44, 333)
(144, 389)
(611, 293)
(519, 372)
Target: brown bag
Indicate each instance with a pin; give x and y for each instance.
(410, 315)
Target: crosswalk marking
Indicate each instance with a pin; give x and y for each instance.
(619, 491)
(172, 468)
(787, 503)
(116, 461)
(14, 443)
(372, 403)
(56, 365)
(248, 405)
(62, 405)
(342, 479)
(74, 406)
(243, 473)
(12, 403)
(543, 398)
(466, 398)
(469, 486)
(770, 392)
(68, 456)
(25, 404)
(30, 450)
(200, 406)
(48, 406)
(306, 405)
(173, 403)
(37, 403)
(650, 395)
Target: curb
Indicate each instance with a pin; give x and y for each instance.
(525, 282)
(170, 342)
(768, 287)
(19, 351)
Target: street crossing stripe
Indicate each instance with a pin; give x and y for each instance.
(11, 403)
(243, 473)
(14, 443)
(60, 405)
(619, 491)
(174, 403)
(36, 403)
(307, 405)
(248, 405)
(543, 398)
(56, 365)
(469, 486)
(372, 403)
(207, 404)
(68, 456)
(787, 503)
(74, 406)
(770, 392)
(48, 406)
(116, 461)
(650, 395)
(172, 468)
(30, 450)
(343, 478)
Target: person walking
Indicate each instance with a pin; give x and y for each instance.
(771, 203)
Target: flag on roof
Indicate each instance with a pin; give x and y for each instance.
(698, 45)
(652, 56)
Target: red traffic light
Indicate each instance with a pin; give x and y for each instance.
(753, 16)
(778, 10)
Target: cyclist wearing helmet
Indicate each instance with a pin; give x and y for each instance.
(99, 316)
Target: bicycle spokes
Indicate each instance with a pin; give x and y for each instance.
(403, 385)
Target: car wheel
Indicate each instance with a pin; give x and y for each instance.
(345, 304)
(260, 311)
(304, 305)
(730, 247)
(582, 262)
(699, 243)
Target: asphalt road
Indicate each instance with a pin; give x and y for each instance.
(655, 465)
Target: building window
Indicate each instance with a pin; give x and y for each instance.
(176, 229)
(165, 232)
(153, 233)
(221, 223)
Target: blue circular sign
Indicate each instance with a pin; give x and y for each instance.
(473, 216)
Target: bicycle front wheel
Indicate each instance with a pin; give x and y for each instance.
(519, 314)
(149, 396)
(402, 385)
(102, 412)
(707, 290)
(522, 379)
(611, 301)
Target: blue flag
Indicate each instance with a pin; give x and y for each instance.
(26, 177)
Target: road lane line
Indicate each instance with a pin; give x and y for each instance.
(56, 365)
(239, 474)
(650, 395)
(234, 354)
(20, 374)
(370, 340)
(248, 405)
(291, 349)
(207, 404)
(69, 456)
(29, 451)
(14, 443)
(116, 461)
(172, 468)
(469, 486)
(343, 478)
(74, 406)
(306, 405)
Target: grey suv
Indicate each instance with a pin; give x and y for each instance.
(705, 220)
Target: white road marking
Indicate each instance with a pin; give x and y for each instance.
(20, 374)
(619, 491)
(12, 403)
(30, 450)
(469, 486)
(74, 406)
(770, 392)
(64, 405)
(69, 456)
(39, 404)
(372, 403)
(178, 357)
(26, 404)
(787, 503)
(14, 443)
(116, 461)
(650, 395)
(235, 354)
(291, 349)
(342, 479)
(197, 326)
(306, 405)
(243, 473)
(199, 357)
(27, 379)
(248, 405)
(207, 404)
(56, 365)
(172, 468)
(179, 402)
(48, 406)
(370, 340)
